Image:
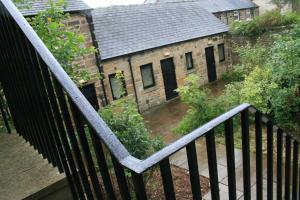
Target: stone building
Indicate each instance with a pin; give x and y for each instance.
(80, 20)
(156, 47)
(226, 10)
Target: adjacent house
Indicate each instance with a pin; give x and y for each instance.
(80, 19)
(226, 10)
(156, 46)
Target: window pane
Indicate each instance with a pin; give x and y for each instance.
(236, 15)
(221, 52)
(147, 75)
(189, 60)
(117, 87)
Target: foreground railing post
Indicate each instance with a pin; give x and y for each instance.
(279, 164)
(102, 165)
(287, 167)
(193, 169)
(270, 160)
(139, 186)
(259, 158)
(295, 170)
(4, 116)
(121, 179)
(246, 154)
(166, 175)
(212, 165)
(230, 158)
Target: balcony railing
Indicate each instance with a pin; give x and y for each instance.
(50, 112)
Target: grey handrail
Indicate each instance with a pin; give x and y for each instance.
(96, 122)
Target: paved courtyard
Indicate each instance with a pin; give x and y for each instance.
(163, 120)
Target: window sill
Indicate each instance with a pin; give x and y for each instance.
(191, 71)
(150, 89)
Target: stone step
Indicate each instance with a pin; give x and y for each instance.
(23, 171)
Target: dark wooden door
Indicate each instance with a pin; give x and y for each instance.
(211, 64)
(169, 75)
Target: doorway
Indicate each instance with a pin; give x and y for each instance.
(211, 64)
(169, 76)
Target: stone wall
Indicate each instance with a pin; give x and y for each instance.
(79, 23)
(228, 17)
(154, 96)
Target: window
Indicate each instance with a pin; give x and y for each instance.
(221, 52)
(147, 76)
(248, 14)
(252, 13)
(236, 15)
(118, 87)
(189, 60)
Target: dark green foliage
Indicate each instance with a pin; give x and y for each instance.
(262, 23)
(124, 120)
(201, 108)
(66, 44)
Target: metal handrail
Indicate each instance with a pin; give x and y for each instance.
(96, 122)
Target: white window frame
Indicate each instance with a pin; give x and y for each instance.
(236, 13)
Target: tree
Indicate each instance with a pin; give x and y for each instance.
(66, 44)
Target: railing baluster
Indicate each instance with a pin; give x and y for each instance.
(246, 154)
(4, 116)
(139, 186)
(279, 164)
(259, 158)
(102, 165)
(212, 165)
(230, 159)
(166, 175)
(193, 169)
(287, 168)
(86, 151)
(270, 160)
(72, 174)
(71, 136)
(121, 178)
(295, 170)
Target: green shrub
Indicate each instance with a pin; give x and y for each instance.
(124, 120)
(201, 108)
(262, 23)
(66, 44)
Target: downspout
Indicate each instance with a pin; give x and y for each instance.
(133, 82)
(89, 19)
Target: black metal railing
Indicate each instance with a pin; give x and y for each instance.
(48, 110)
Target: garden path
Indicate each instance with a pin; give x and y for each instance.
(163, 119)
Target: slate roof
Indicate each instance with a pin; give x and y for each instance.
(122, 30)
(40, 5)
(215, 6)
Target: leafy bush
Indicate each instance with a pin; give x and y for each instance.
(124, 120)
(260, 24)
(201, 107)
(273, 84)
(67, 45)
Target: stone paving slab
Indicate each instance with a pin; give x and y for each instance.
(23, 171)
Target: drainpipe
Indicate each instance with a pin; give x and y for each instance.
(89, 19)
(133, 82)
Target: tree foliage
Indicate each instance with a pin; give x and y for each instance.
(273, 85)
(268, 78)
(262, 23)
(124, 120)
(66, 44)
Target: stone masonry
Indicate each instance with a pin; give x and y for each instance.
(227, 17)
(79, 23)
(154, 96)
